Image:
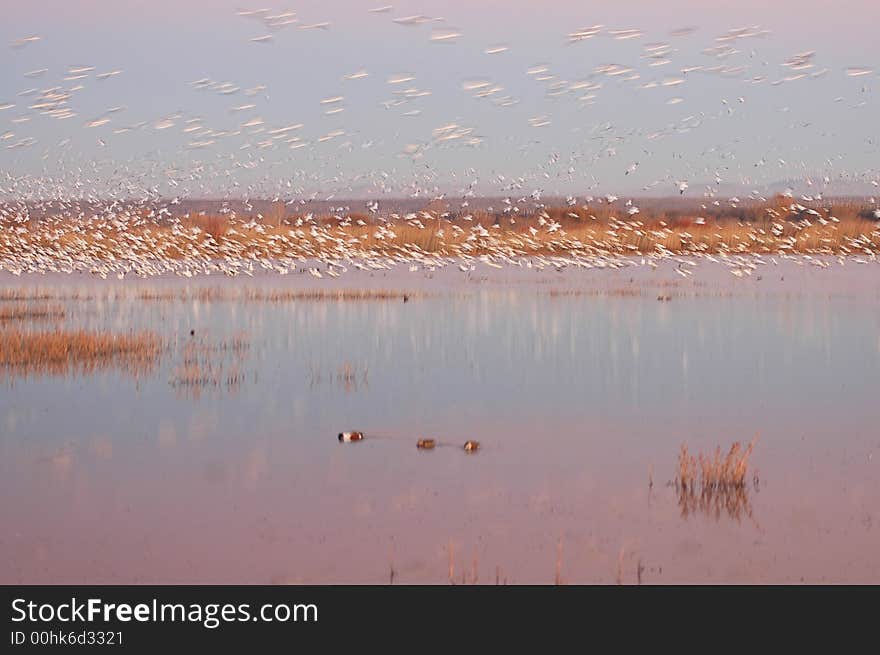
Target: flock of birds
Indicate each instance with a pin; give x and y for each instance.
(131, 224)
(120, 242)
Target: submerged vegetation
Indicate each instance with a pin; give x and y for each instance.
(206, 364)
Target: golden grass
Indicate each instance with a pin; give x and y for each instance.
(61, 352)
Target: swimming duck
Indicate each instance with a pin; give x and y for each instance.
(425, 444)
(350, 436)
(471, 446)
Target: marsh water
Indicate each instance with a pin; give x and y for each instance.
(580, 386)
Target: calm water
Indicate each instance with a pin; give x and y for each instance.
(577, 401)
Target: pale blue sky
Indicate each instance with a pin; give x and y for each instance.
(695, 131)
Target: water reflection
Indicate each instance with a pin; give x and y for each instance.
(715, 502)
(572, 399)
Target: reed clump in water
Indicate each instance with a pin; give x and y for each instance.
(717, 484)
(717, 472)
(62, 352)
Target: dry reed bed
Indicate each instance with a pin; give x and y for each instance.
(611, 293)
(31, 294)
(17, 295)
(202, 294)
(278, 295)
(63, 352)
